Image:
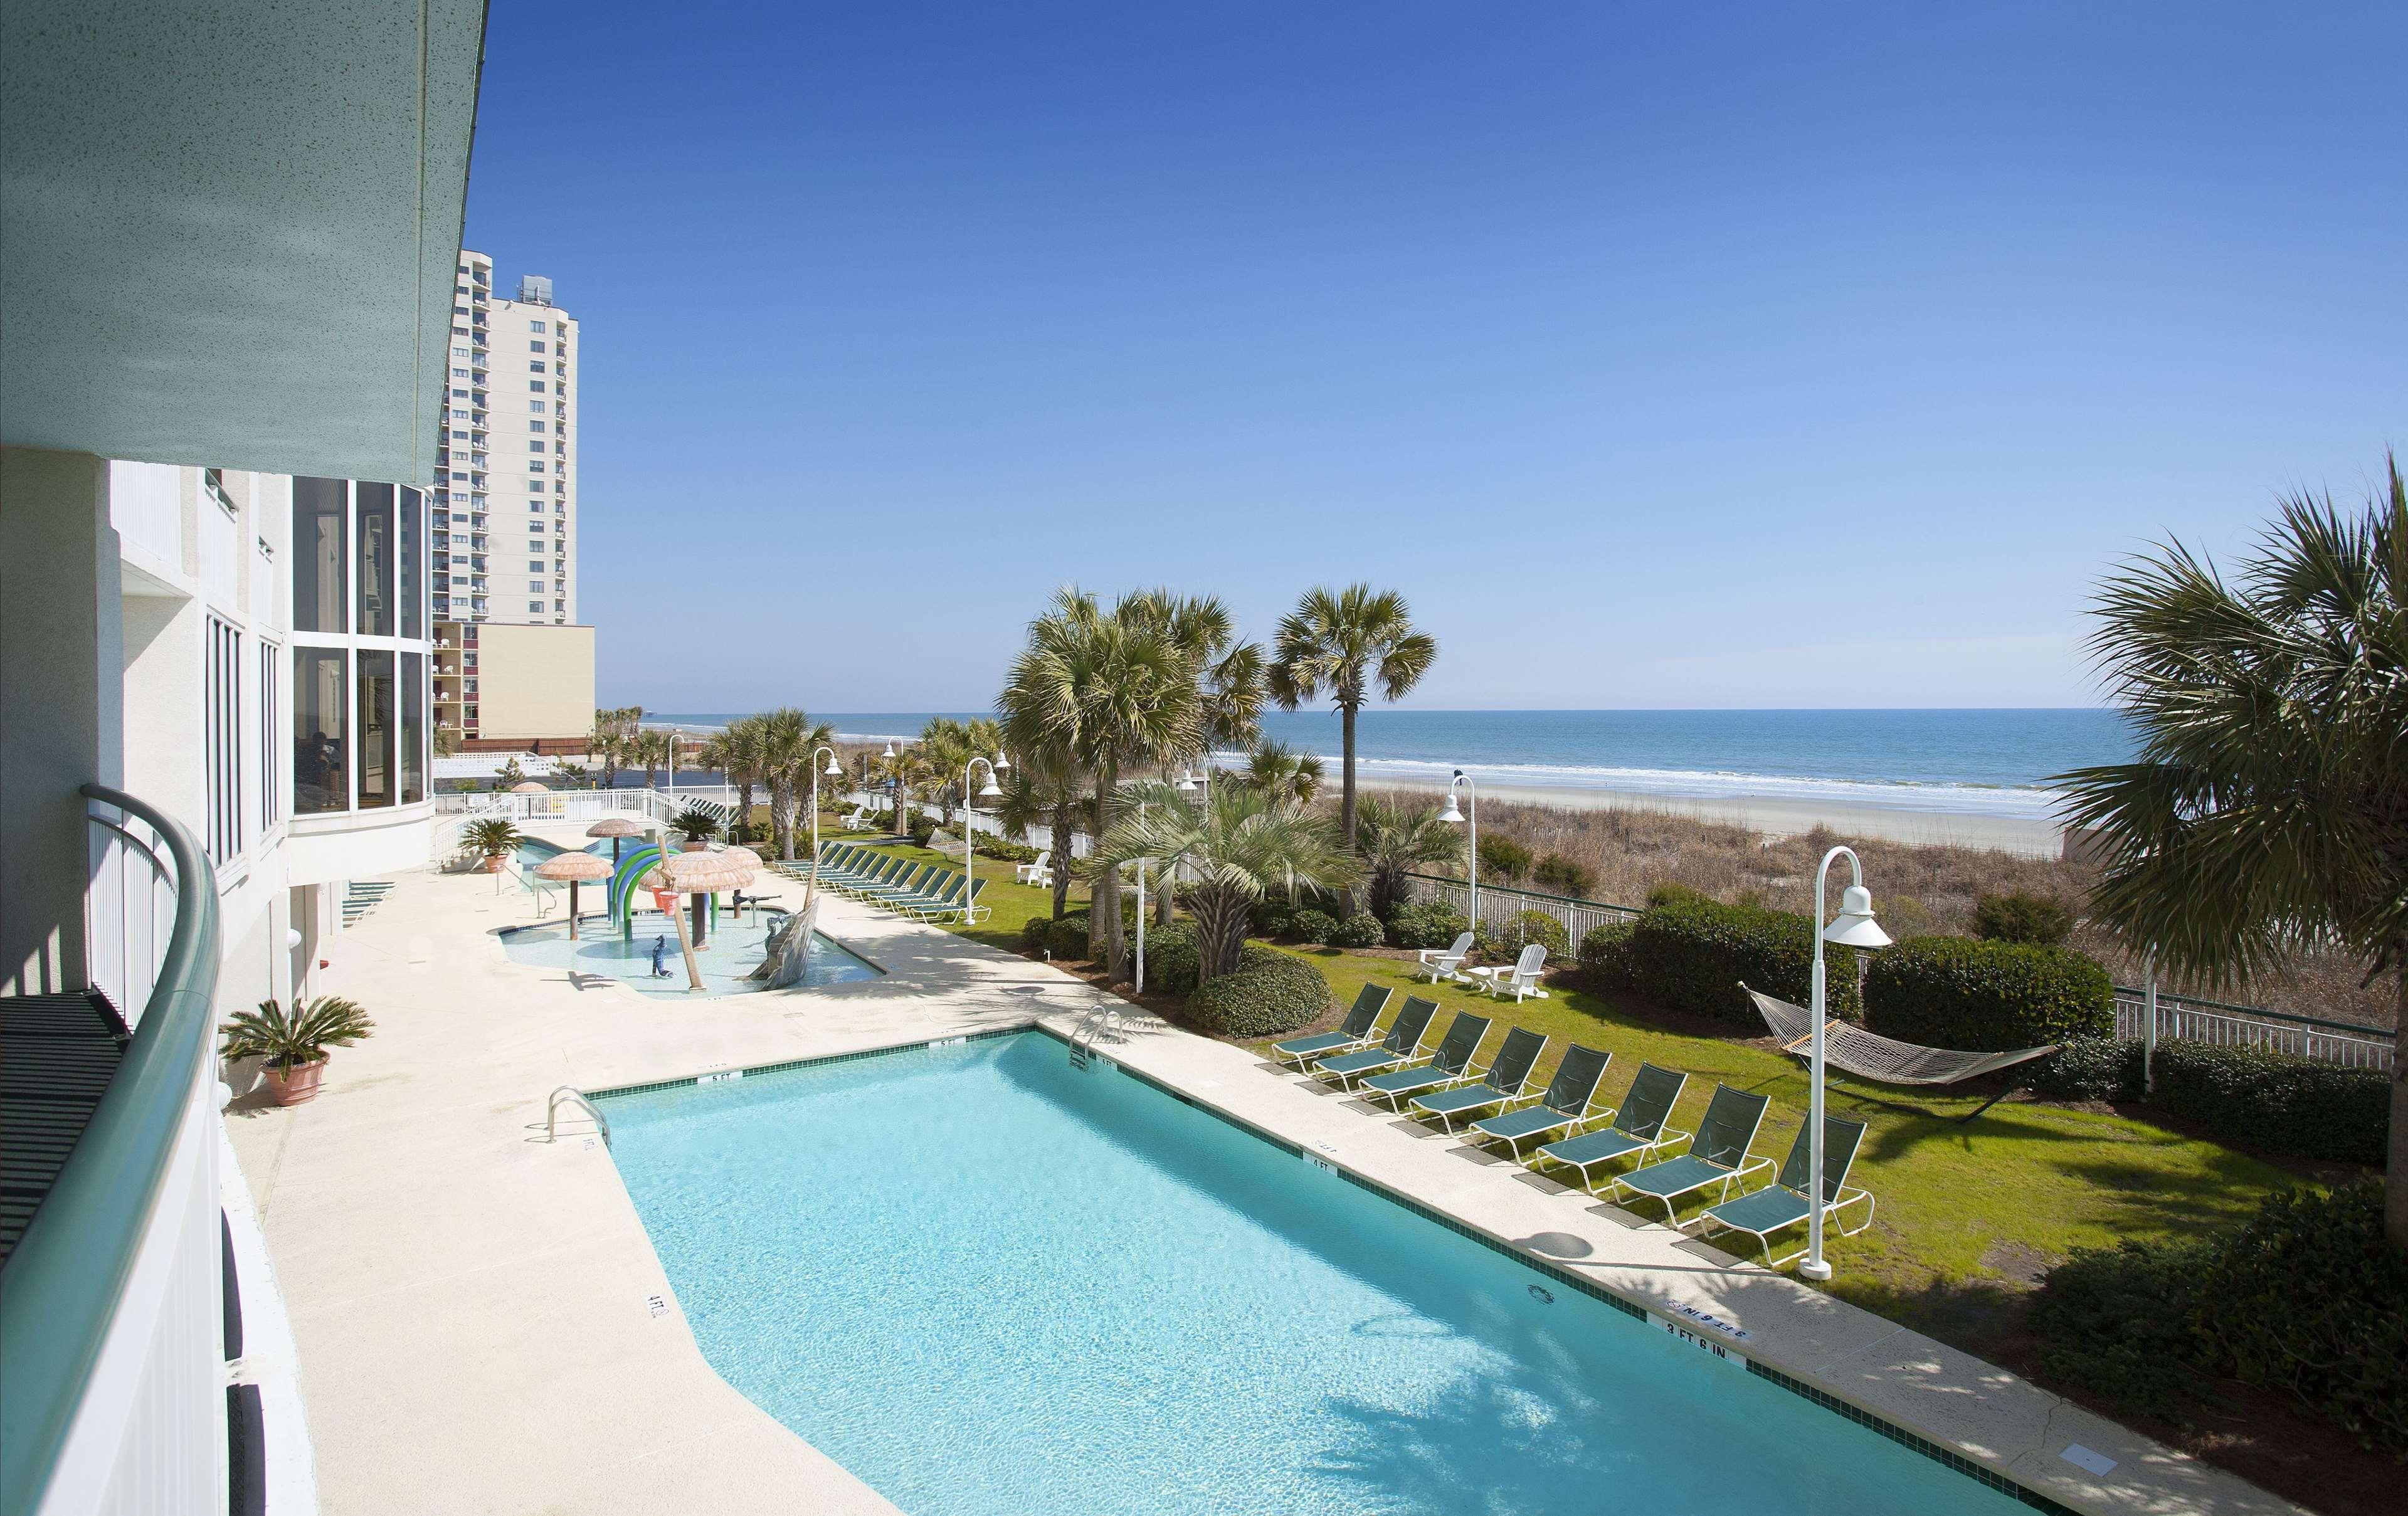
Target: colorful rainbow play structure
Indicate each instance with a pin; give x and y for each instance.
(626, 885)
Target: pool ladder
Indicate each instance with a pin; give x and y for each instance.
(571, 1094)
(1092, 1028)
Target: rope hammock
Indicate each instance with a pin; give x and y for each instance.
(1884, 1060)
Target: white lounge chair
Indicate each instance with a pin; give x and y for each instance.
(1036, 872)
(856, 819)
(1522, 979)
(1446, 962)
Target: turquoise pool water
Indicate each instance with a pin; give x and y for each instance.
(986, 1282)
(728, 954)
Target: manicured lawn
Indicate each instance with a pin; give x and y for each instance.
(1968, 1214)
(1012, 904)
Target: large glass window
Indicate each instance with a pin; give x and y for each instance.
(377, 551)
(413, 728)
(322, 758)
(413, 576)
(378, 754)
(318, 554)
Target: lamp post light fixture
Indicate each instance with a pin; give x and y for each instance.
(969, 822)
(1853, 927)
(1454, 817)
(833, 772)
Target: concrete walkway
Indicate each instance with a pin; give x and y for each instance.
(482, 1325)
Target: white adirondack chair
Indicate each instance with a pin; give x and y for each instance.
(1522, 979)
(1036, 872)
(1446, 962)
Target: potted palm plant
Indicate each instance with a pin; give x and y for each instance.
(295, 1044)
(697, 826)
(491, 839)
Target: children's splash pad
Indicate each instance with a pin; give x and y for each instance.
(734, 949)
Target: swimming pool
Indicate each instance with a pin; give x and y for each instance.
(988, 1283)
(728, 954)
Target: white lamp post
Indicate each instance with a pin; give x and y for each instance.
(1853, 927)
(969, 828)
(1454, 817)
(895, 790)
(833, 772)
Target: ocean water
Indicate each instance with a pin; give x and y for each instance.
(991, 1285)
(1982, 762)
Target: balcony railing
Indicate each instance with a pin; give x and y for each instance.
(131, 1190)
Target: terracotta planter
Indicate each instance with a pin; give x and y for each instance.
(292, 1086)
(694, 847)
(494, 864)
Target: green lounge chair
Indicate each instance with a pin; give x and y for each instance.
(914, 881)
(956, 903)
(932, 887)
(1450, 1067)
(1767, 1211)
(1562, 1108)
(1402, 1044)
(873, 869)
(1506, 1075)
(1638, 1125)
(1351, 1033)
(1718, 1156)
(848, 864)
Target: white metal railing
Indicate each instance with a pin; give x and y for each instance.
(129, 906)
(661, 806)
(2182, 1020)
(1500, 904)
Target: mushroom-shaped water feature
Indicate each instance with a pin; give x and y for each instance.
(575, 867)
(617, 828)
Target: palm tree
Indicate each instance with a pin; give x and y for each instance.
(1239, 842)
(1037, 793)
(612, 739)
(2267, 809)
(737, 752)
(1099, 692)
(1397, 837)
(1279, 770)
(906, 770)
(786, 739)
(1351, 644)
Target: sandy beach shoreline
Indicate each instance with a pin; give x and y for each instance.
(1780, 817)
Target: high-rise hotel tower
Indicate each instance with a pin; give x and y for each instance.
(506, 464)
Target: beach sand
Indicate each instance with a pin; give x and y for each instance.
(1782, 817)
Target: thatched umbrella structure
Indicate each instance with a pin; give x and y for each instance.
(617, 828)
(699, 875)
(530, 787)
(574, 867)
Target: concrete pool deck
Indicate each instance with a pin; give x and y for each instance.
(482, 1324)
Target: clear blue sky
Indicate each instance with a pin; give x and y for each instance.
(1706, 356)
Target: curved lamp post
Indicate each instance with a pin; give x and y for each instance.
(895, 789)
(1452, 816)
(834, 773)
(969, 820)
(1853, 927)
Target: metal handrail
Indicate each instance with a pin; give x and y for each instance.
(2167, 997)
(552, 1112)
(69, 1270)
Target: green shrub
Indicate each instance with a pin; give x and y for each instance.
(1272, 917)
(2307, 1298)
(1958, 992)
(2022, 916)
(1362, 930)
(1036, 932)
(1689, 954)
(2276, 1102)
(1068, 937)
(2118, 1322)
(1425, 926)
(1507, 940)
(1310, 926)
(1605, 955)
(1171, 959)
(1269, 993)
(2310, 1299)
(2090, 1068)
(1502, 858)
(1559, 874)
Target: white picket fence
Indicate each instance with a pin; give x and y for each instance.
(2345, 1043)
